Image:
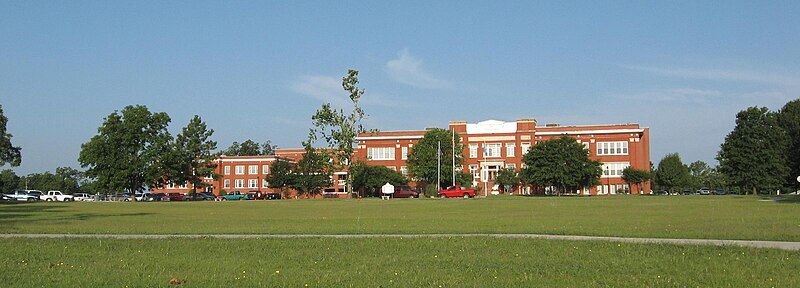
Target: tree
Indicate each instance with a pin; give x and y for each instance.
(128, 149)
(281, 176)
(368, 179)
(340, 130)
(635, 177)
(789, 120)
(8, 153)
(250, 148)
(671, 172)
(193, 158)
(313, 172)
(9, 181)
(508, 179)
(562, 163)
(423, 160)
(700, 174)
(753, 156)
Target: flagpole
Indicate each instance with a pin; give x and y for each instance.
(439, 166)
(453, 151)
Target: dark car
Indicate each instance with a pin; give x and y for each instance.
(719, 192)
(201, 196)
(661, 192)
(256, 195)
(273, 196)
(154, 197)
(405, 191)
(687, 192)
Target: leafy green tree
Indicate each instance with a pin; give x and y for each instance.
(250, 148)
(281, 176)
(562, 163)
(671, 172)
(339, 129)
(789, 120)
(635, 177)
(313, 172)
(753, 155)
(9, 181)
(700, 174)
(424, 158)
(508, 179)
(192, 155)
(128, 149)
(368, 179)
(8, 153)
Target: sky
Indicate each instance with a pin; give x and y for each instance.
(259, 69)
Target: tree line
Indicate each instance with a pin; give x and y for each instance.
(134, 151)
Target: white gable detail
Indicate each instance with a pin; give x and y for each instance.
(492, 126)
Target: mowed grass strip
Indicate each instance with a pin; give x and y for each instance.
(387, 262)
(697, 217)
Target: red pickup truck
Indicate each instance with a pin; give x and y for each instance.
(456, 191)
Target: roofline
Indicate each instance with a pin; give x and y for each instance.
(582, 132)
(414, 137)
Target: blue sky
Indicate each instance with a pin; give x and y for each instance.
(258, 70)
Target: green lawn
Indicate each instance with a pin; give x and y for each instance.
(707, 217)
(387, 262)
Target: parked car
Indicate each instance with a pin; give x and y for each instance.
(256, 195)
(233, 195)
(201, 196)
(22, 195)
(687, 192)
(405, 191)
(704, 191)
(733, 192)
(719, 192)
(273, 196)
(661, 192)
(150, 197)
(54, 195)
(82, 197)
(456, 191)
(35, 193)
(174, 197)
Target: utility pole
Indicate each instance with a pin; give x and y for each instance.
(439, 166)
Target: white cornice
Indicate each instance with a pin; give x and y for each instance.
(584, 132)
(415, 137)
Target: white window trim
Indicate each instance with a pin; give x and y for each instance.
(239, 170)
(511, 149)
(381, 153)
(265, 169)
(252, 183)
(238, 183)
(252, 169)
(473, 151)
(227, 170)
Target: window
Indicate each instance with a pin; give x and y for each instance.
(404, 170)
(239, 183)
(612, 148)
(491, 150)
(510, 147)
(264, 183)
(227, 170)
(170, 185)
(183, 186)
(226, 183)
(511, 166)
(404, 153)
(380, 153)
(265, 169)
(586, 145)
(252, 169)
(473, 169)
(392, 167)
(525, 147)
(614, 169)
(473, 150)
(239, 169)
(252, 183)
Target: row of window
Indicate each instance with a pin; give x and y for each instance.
(239, 183)
(492, 150)
(251, 169)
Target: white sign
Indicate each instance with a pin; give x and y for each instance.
(387, 189)
(798, 178)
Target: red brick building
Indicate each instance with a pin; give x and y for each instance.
(488, 147)
(493, 145)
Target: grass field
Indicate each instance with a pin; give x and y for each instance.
(701, 217)
(387, 262)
